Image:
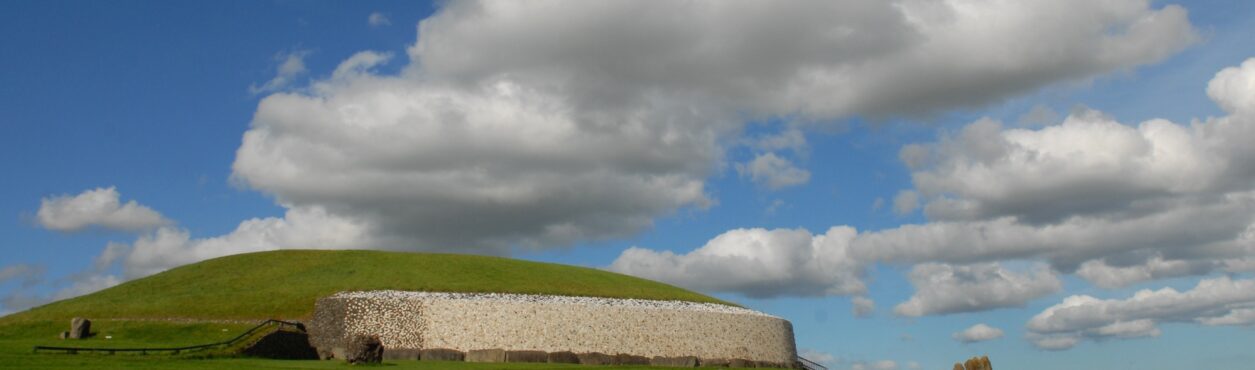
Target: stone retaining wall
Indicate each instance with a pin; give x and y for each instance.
(512, 322)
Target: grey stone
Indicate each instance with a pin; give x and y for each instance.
(401, 354)
(626, 359)
(485, 355)
(713, 362)
(564, 357)
(365, 349)
(80, 328)
(64, 335)
(683, 361)
(595, 358)
(441, 354)
(741, 363)
(526, 356)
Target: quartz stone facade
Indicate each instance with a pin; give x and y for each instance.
(516, 322)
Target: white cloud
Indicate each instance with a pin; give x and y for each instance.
(1217, 301)
(905, 202)
(978, 333)
(943, 289)
(378, 19)
(98, 207)
(291, 66)
(24, 274)
(773, 172)
(508, 109)
(299, 228)
(863, 306)
(1116, 204)
(913, 365)
(756, 263)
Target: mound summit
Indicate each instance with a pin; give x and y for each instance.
(285, 284)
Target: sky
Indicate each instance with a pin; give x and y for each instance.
(910, 183)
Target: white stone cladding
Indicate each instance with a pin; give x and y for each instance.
(471, 321)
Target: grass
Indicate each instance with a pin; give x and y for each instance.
(285, 285)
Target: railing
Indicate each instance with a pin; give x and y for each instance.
(175, 350)
(810, 365)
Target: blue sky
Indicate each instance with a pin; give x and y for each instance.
(707, 146)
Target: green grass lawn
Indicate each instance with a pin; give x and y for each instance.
(284, 285)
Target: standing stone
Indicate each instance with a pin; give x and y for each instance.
(80, 328)
(365, 349)
(65, 334)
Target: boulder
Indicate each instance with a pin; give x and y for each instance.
(401, 354)
(485, 355)
(626, 359)
(526, 356)
(595, 358)
(563, 357)
(441, 354)
(682, 361)
(80, 328)
(714, 362)
(364, 349)
(741, 363)
(64, 335)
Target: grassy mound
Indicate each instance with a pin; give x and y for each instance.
(285, 284)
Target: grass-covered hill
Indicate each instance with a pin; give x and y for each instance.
(285, 284)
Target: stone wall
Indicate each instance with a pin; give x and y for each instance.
(513, 322)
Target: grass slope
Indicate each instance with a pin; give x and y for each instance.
(285, 284)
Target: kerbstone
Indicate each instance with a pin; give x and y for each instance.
(682, 361)
(441, 354)
(486, 355)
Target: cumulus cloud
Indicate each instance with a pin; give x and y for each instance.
(756, 263)
(943, 289)
(878, 365)
(541, 124)
(978, 333)
(98, 207)
(1115, 203)
(378, 19)
(863, 306)
(905, 202)
(291, 66)
(1217, 301)
(24, 274)
(773, 172)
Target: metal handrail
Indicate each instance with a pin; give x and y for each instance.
(175, 350)
(810, 365)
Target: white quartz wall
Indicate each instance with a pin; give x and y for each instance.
(417, 320)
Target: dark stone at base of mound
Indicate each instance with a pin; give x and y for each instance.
(563, 357)
(595, 358)
(736, 362)
(713, 362)
(401, 354)
(526, 356)
(683, 361)
(364, 349)
(626, 359)
(441, 354)
(283, 345)
(485, 355)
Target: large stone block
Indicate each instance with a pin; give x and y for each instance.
(563, 357)
(626, 359)
(401, 354)
(80, 328)
(365, 349)
(713, 362)
(682, 361)
(526, 356)
(485, 355)
(595, 358)
(441, 354)
(742, 363)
